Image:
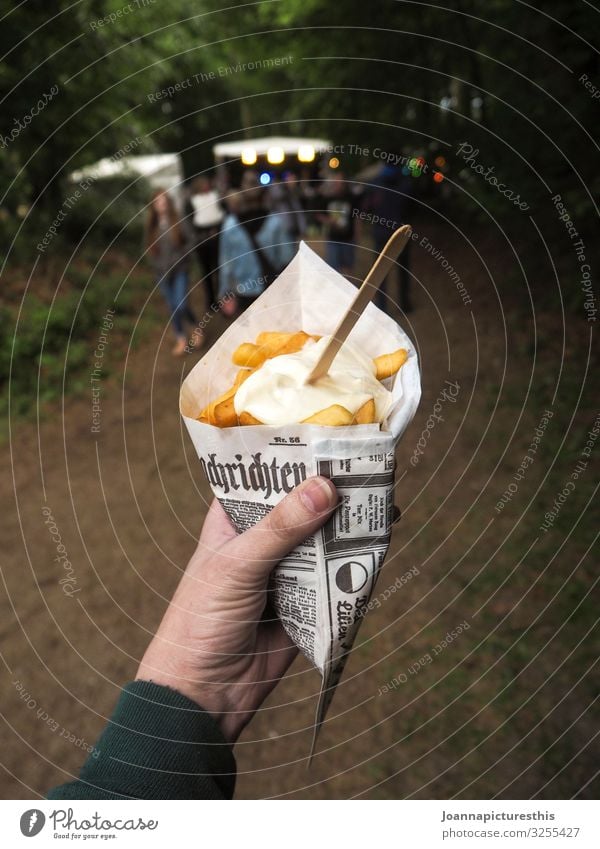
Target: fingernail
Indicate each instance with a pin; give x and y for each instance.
(318, 495)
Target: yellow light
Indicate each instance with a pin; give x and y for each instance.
(440, 161)
(248, 156)
(306, 153)
(334, 162)
(275, 155)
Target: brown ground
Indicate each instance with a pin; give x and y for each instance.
(502, 711)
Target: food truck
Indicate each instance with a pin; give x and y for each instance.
(270, 157)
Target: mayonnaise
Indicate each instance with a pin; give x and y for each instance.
(277, 393)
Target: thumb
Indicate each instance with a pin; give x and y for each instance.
(298, 515)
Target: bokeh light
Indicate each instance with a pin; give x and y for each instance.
(275, 155)
(249, 156)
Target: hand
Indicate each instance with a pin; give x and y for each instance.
(211, 645)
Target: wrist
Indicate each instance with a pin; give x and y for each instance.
(210, 697)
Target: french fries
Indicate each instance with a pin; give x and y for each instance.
(283, 343)
(225, 414)
(247, 419)
(241, 376)
(365, 414)
(250, 356)
(207, 415)
(334, 416)
(389, 364)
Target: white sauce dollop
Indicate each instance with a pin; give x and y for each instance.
(277, 393)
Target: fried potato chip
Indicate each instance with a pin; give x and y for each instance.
(366, 413)
(248, 355)
(247, 419)
(389, 364)
(334, 416)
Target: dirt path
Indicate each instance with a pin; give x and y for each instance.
(128, 503)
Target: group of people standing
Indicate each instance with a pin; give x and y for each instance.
(240, 241)
(243, 239)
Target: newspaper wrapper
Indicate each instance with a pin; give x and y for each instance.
(322, 589)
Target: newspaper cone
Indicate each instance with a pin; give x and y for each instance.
(322, 589)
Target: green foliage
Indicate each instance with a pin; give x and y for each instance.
(111, 210)
(380, 82)
(356, 78)
(102, 70)
(51, 347)
(377, 82)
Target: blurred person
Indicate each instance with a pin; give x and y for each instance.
(337, 204)
(169, 242)
(309, 195)
(206, 212)
(389, 201)
(284, 199)
(213, 661)
(253, 248)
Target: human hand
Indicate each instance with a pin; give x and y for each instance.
(211, 644)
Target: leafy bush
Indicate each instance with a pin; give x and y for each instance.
(118, 205)
(39, 342)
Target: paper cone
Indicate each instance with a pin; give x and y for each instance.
(320, 591)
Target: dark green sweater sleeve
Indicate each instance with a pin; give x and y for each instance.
(158, 744)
